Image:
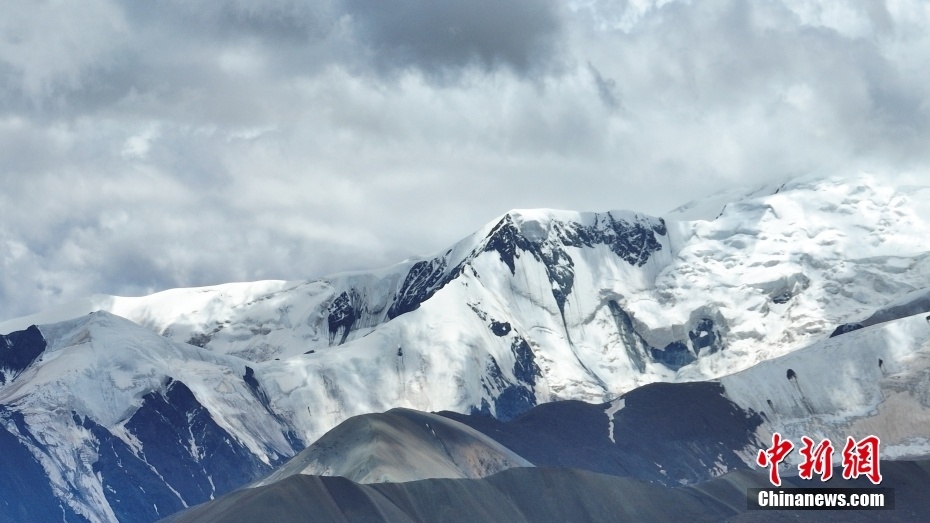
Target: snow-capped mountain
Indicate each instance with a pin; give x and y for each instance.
(536, 306)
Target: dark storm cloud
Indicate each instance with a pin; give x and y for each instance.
(437, 37)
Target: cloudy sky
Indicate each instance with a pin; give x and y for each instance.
(150, 145)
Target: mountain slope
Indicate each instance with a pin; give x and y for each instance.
(519, 495)
(542, 495)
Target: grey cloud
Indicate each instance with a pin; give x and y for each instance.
(439, 37)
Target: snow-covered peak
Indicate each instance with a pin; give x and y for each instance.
(782, 270)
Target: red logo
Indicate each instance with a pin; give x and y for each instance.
(859, 458)
(774, 455)
(819, 460)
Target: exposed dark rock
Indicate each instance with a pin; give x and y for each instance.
(185, 448)
(634, 344)
(199, 340)
(500, 329)
(846, 327)
(422, 281)
(18, 350)
(514, 401)
(704, 338)
(917, 304)
(511, 399)
(524, 367)
(342, 316)
(508, 243)
(133, 487)
(634, 241)
(25, 493)
(782, 298)
(675, 355)
(254, 386)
